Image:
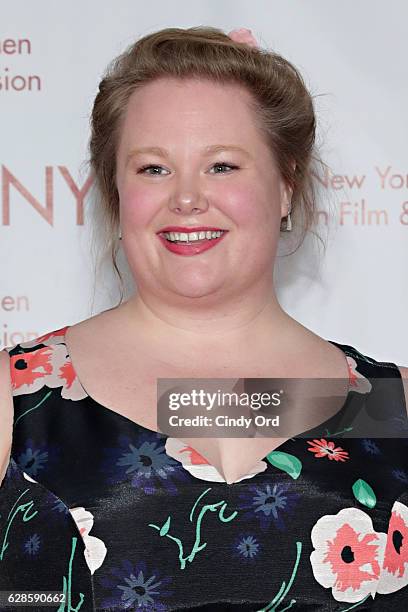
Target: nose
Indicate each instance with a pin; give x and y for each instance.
(188, 202)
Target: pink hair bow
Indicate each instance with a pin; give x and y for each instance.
(243, 35)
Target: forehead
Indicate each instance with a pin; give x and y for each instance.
(190, 105)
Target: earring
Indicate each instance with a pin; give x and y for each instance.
(288, 227)
(288, 224)
(120, 234)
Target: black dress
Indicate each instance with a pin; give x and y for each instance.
(114, 516)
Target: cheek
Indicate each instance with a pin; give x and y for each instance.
(248, 207)
(135, 209)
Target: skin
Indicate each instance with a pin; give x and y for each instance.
(183, 301)
(201, 298)
(222, 300)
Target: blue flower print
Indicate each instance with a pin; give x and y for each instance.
(55, 511)
(400, 475)
(400, 425)
(135, 587)
(33, 459)
(32, 545)
(269, 504)
(144, 462)
(370, 446)
(246, 547)
(59, 506)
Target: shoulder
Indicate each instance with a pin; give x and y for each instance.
(404, 374)
(404, 371)
(367, 366)
(33, 362)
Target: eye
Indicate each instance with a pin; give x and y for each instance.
(220, 164)
(217, 165)
(147, 167)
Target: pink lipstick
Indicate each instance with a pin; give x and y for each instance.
(190, 248)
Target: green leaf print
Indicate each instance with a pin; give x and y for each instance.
(165, 528)
(286, 462)
(25, 510)
(284, 589)
(364, 493)
(66, 603)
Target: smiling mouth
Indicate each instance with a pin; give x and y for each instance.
(190, 238)
(191, 244)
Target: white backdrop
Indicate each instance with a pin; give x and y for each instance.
(353, 57)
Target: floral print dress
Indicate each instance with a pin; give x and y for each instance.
(110, 515)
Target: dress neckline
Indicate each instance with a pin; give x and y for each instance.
(138, 426)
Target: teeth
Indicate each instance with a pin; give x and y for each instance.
(192, 236)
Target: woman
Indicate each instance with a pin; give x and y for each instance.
(198, 523)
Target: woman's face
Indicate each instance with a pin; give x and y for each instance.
(237, 189)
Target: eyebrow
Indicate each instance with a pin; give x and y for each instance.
(217, 148)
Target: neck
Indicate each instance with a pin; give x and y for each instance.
(237, 324)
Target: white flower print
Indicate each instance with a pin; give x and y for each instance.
(198, 466)
(394, 573)
(358, 382)
(348, 554)
(95, 549)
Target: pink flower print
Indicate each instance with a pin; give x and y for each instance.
(49, 338)
(348, 554)
(95, 549)
(322, 448)
(358, 382)
(394, 573)
(29, 370)
(243, 35)
(198, 465)
(48, 365)
(194, 456)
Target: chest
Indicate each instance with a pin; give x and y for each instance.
(133, 393)
(129, 387)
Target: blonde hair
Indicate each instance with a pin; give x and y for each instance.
(282, 105)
